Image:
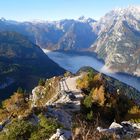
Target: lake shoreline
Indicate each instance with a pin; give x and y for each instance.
(92, 54)
(73, 61)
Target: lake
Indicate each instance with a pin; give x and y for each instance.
(74, 61)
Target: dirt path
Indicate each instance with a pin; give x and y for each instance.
(66, 101)
(71, 83)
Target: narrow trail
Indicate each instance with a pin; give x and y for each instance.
(66, 101)
(63, 85)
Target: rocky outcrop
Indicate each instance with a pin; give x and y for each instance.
(61, 135)
(37, 93)
(125, 129)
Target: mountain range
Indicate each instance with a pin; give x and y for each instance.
(57, 35)
(115, 37)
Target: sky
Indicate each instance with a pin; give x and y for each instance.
(27, 10)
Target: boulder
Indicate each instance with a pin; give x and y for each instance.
(126, 129)
(62, 138)
(61, 135)
(115, 125)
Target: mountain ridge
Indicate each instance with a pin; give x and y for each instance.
(23, 63)
(118, 40)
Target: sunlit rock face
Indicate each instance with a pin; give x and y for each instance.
(118, 39)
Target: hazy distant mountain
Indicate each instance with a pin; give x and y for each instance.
(64, 34)
(22, 63)
(118, 42)
(42, 34)
(78, 35)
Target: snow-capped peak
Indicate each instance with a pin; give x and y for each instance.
(2, 19)
(86, 20)
(130, 10)
(130, 14)
(82, 18)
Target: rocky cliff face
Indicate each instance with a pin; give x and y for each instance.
(118, 40)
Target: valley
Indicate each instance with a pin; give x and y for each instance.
(73, 62)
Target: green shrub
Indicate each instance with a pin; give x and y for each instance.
(90, 116)
(18, 129)
(41, 82)
(88, 102)
(46, 127)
